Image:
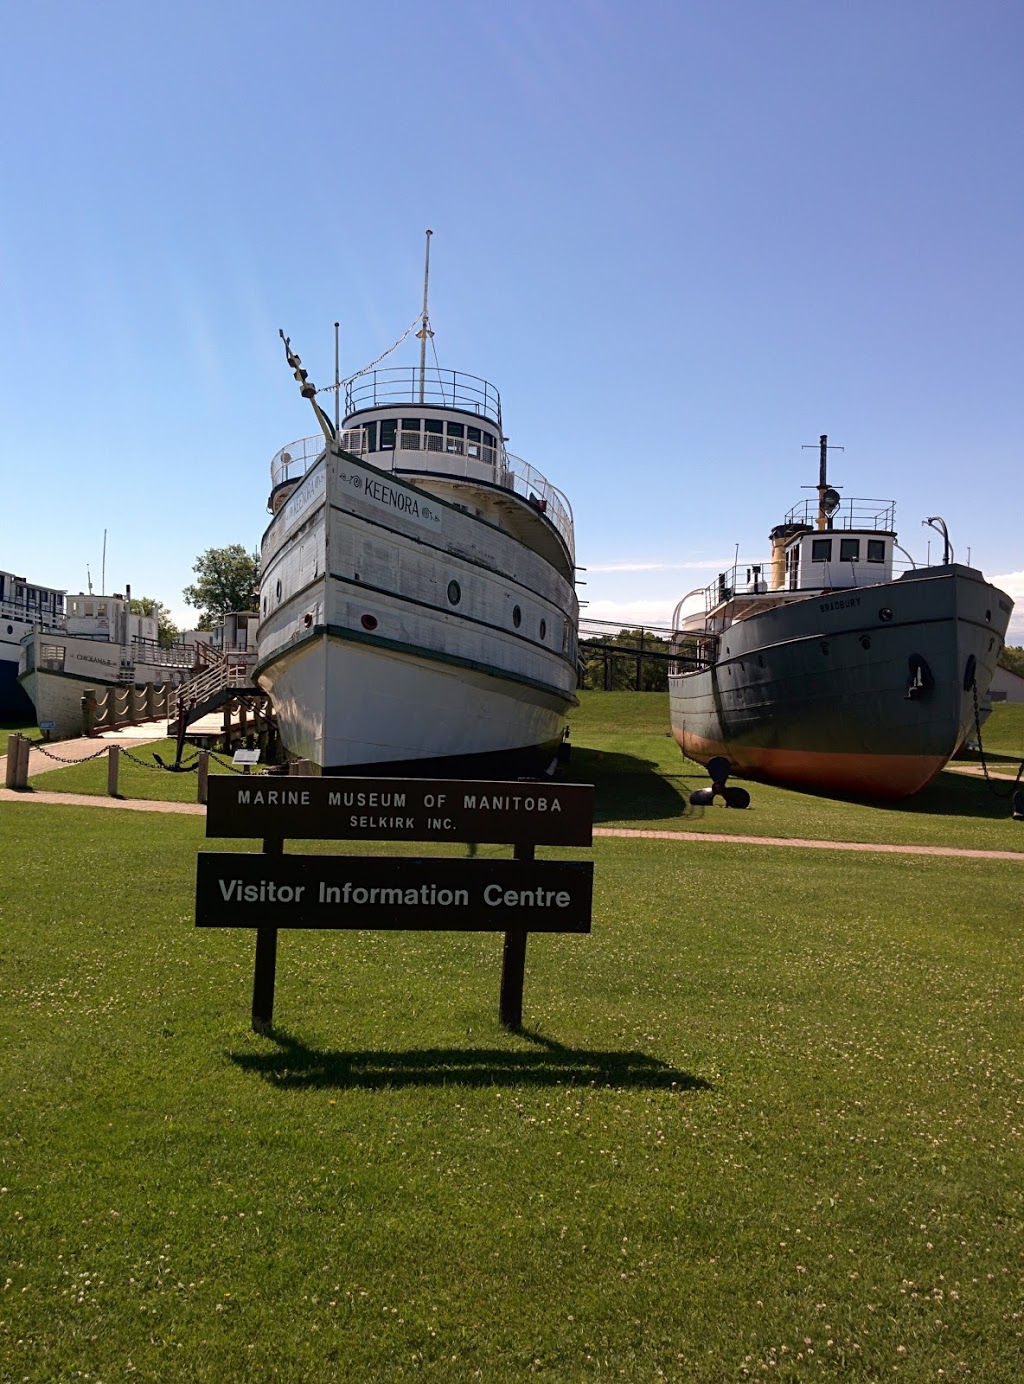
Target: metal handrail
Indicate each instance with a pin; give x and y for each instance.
(853, 513)
(507, 471)
(403, 384)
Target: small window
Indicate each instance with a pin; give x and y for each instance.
(434, 425)
(277, 589)
(517, 616)
(410, 425)
(371, 437)
(456, 430)
(876, 550)
(51, 656)
(543, 629)
(264, 605)
(849, 550)
(388, 429)
(821, 550)
(454, 592)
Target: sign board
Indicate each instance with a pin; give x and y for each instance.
(245, 757)
(409, 894)
(47, 725)
(364, 809)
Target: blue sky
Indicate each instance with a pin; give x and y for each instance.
(682, 239)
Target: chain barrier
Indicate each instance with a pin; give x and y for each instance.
(981, 751)
(61, 760)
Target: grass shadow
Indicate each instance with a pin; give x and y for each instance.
(294, 1065)
(951, 794)
(627, 787)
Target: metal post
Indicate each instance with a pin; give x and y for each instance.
(265, 968)
(113, 755)
(25, 749)
(513, 965)
(203, 776)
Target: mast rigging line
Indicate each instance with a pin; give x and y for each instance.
(330, 388)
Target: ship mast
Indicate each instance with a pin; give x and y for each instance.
(828, 498)
(424, 332)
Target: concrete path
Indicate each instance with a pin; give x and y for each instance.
(32, 795)
(44, 757)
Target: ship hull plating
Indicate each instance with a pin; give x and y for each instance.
(867, 691)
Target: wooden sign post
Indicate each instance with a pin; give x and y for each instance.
(271, 890)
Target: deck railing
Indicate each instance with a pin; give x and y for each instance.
(437, 388)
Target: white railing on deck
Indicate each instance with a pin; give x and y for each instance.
(468, 460)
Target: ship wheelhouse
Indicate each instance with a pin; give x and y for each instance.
(443, 432)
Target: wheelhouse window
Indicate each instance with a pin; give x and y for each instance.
(456, 438)
(821, 549)
(876, 550)
(434, 429)
(411, 434)
(388, 432)
(849, 550)
(51, 656)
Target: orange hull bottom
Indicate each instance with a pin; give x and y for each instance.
(872, 775)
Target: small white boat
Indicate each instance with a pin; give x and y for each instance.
(418, 611)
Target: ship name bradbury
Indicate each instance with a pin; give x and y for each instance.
(839, 605)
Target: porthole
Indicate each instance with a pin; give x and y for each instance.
(885, 614)
(988, 617)
(824, 646)
(369, 622)
(264, 605)
(865, 641)
(10, 630)
(454, 592)
(760, 660)
(517, 616)
(278, 589)
(543, 629)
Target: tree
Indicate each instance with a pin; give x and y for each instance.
(228, 579)
(1012, 656)
(166, 630)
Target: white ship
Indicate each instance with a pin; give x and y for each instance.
(23, 606)
(98, 643)
(418, 611)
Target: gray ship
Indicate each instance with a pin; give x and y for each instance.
(822, 669)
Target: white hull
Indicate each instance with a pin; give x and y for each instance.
(388, 707)
(413, 618)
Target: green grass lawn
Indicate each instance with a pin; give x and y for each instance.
(766, 1118)
(140, 775)
(622, 744)
(9, 728)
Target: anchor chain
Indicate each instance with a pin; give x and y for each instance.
(981, 750)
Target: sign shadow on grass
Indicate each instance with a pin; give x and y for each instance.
(296, 1065)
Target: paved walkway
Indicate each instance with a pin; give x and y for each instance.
(33, 795)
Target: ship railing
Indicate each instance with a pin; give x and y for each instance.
(852, 514)
(149, 651)
(437, 388)
(292, 462)
(741, 588)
